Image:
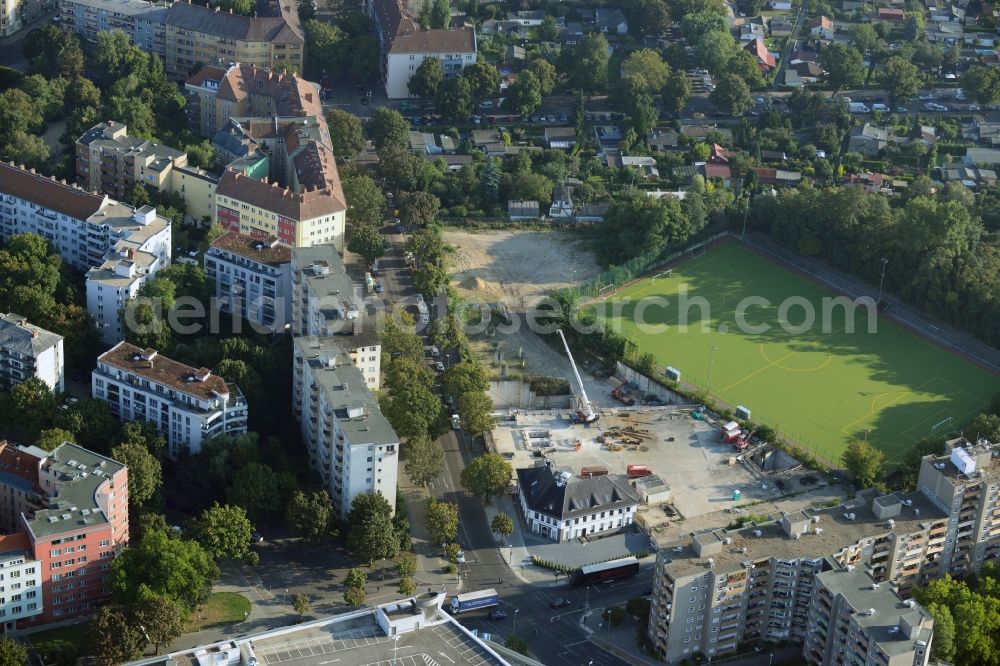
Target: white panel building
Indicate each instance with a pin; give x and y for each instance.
(20, 581)
(28, 351)
(325, 303)
(187, 405)
(350, 443)
(252, 279)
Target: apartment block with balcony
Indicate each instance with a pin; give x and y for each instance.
(16, 15)
(719, 588)
(21, 595)
(82, 226)
(855, 620)
(252, 279)
(143, 22)
(126, 267)
(28, 351)
(187, 405)
(66, 515)
(109, 160)
(964, 483)
(326, 303)
(349, 442)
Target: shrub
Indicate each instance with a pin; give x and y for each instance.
(614, 615)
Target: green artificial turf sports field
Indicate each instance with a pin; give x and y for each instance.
(819, 387)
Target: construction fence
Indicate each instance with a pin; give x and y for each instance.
(618, 276)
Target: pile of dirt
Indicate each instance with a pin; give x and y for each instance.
(477, 283)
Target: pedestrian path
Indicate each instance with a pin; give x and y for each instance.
(430, 566)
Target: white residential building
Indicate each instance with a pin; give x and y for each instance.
(187, 405)
(350, 443)
(133, 260)
(405, 45)
(325, 302)
(252, 278)
(561, 507)
(89, 231)
(28, 351)
(82, 226)
(21, 577)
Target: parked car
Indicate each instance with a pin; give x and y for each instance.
(561, 603)
(460, 558)
(256, 537)
(486, 104)
(439, 366)
(378, 287)
(498, 615)
(435, 352)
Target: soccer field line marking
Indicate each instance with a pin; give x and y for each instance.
(873, 410)
(774, 363)
(826, 362)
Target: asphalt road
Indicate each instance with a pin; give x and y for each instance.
(554, 636)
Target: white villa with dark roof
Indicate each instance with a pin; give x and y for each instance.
(405, 45)
(187, 405)
(561, 507)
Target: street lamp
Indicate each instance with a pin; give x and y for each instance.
(746, 210)
(587, 605)
(395, 647)
(515, 621)
(711, 361)
(881, 281)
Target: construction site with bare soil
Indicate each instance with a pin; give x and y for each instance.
(517, 268)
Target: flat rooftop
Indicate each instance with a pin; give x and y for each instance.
(836, 531)
(165, 371)
(354, 638)
(265, 251)
(345, 389)
(79, 474)
(882, 626)
(987, 464)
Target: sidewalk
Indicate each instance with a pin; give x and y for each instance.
(620, 641)
(515, 551)
(430, 564)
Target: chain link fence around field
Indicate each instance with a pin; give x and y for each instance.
(618, 276)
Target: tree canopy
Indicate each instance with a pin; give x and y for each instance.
(487, 476)
(346, 133)
(163, 564)
(223, 531)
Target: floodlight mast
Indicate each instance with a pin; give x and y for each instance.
(587, 412)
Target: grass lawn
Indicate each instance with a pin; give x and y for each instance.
(221, 609)
(61, 645)
(820, 387)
